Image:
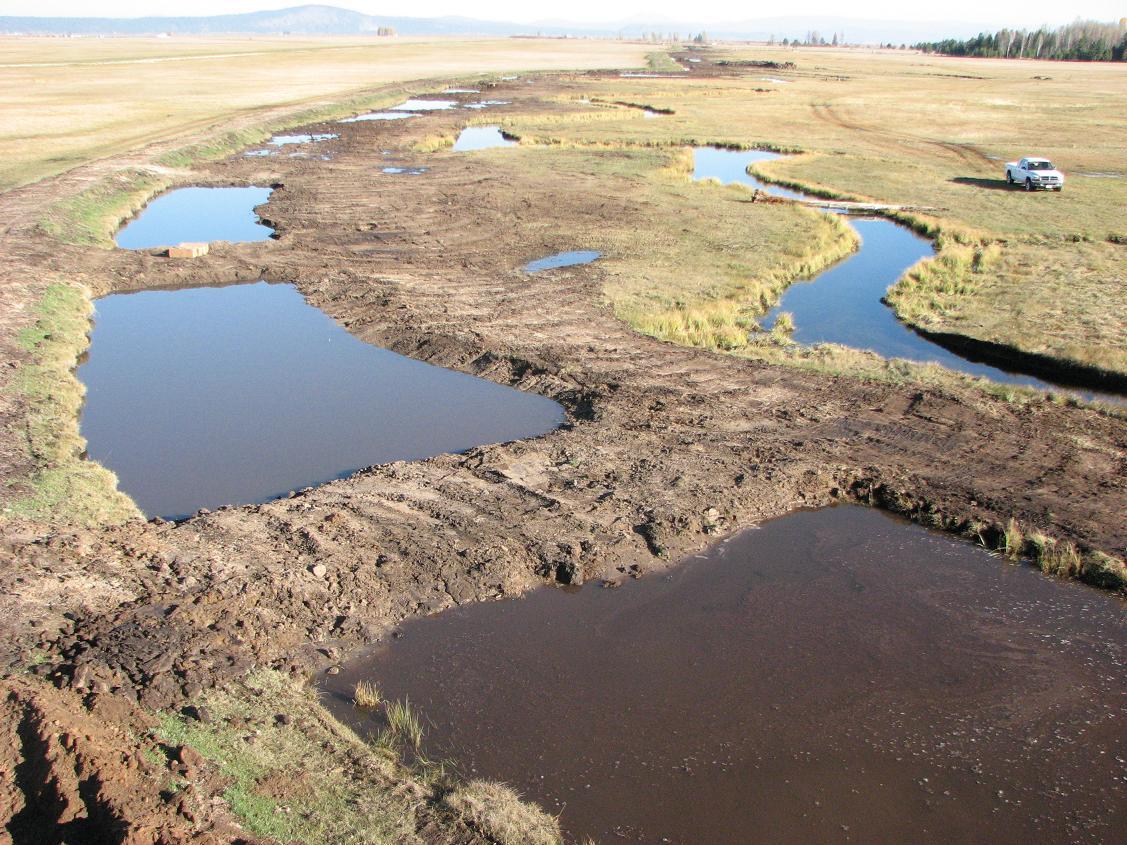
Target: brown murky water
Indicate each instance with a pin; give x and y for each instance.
(836, 676)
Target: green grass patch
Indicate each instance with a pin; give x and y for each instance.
(91, 217)
(661, 62)
(1050, 297)
(314, 781)
(62, 486)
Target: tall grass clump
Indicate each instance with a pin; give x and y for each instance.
(931, 290)
(404, 726)
(1058, 558)
(1013, 540)
(367, 695)
(434, 143)
(784, 323)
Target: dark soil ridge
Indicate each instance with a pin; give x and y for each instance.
(666, 448)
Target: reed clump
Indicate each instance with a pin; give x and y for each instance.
(1013, 540)
(404, 725)
(367, 695)
(1058, 558)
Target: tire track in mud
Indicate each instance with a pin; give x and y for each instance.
(966, 153)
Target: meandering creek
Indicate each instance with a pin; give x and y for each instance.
(843, 304)
(217, 396)
(836, 676)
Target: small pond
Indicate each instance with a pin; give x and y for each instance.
(836, 676)
(562, 259)
(288, 140)
(198, 215)
(843, 303)
(230, 395)
(425, 105)
(482, 138)
(484, 104)
(378, 115)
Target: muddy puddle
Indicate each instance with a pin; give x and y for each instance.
(843, 303)
(562, 259)
(197, 214)
(482, 138)
(836, 676)
(406, 171)
(485, 104)
(279, 141)
(378, 115)
(230, 395)
(425, 105)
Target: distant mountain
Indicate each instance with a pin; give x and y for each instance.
(330, 20)
(299, 20)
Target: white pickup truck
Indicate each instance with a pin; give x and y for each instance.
(1034, 173)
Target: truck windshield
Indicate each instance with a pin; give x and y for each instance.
(1039, 165)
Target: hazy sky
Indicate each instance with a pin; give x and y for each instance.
(1024, 13)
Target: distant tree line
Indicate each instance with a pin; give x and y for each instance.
(813, 39)
(1082, 41)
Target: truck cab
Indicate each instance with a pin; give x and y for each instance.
(1034, 174)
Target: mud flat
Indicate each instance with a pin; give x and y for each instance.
(838, 675)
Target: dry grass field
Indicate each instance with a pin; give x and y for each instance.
(67, 101)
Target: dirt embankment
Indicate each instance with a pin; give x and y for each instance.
(665, 447)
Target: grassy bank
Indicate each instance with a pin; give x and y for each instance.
(91, 217)
(289, 771)
(1063, 300)
(61, 486)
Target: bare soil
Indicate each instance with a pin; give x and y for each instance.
(665, 447)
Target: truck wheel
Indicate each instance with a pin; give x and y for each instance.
(1028, 184)
(1009, 178)
(1061, 188)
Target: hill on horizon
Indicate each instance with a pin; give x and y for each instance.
(331, 20)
